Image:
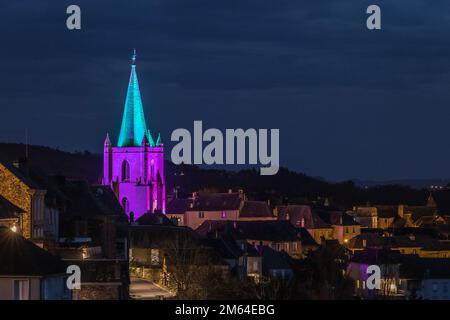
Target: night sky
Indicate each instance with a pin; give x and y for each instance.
(349, 102)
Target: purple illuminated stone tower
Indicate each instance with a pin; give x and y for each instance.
(135, 168)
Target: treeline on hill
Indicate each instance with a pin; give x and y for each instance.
(287, 187)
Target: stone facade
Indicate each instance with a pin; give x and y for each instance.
(20, 194)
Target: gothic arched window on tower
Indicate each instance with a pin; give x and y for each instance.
(125, 171)
(125, 205)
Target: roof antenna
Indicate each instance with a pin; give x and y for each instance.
(26, 143)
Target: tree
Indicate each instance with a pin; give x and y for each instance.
(327, 278)
(195, 271)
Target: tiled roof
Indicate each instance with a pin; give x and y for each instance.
(413, 267)
(154, 219)
(21, 257)
(84, 200)
(274, 260)
(225, 247)
(337, 218)
(387, 211)
(21, 175)
(255, 209)
(271, 230)
(153, 236)
(377, 256)
(306, 237)
(297, 214)
(367, 239)
(178, 206)
(418, 212)
(216, 202)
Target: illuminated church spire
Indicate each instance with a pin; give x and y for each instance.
(133, 126)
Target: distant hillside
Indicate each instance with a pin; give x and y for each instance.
(285, 187)
(82, 165)
(413, 183)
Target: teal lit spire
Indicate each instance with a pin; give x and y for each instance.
(133, 126)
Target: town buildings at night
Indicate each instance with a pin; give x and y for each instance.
(135, 238)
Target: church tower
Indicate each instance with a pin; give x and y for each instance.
(134, 169)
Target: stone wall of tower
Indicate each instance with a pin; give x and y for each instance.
(140, 188)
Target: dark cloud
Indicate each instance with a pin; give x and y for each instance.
(349, 102)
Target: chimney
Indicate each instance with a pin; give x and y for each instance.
(194, 197)
(242, 194)
(131, 217)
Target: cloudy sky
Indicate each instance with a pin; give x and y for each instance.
(349, 102)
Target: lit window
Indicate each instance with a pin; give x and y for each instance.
(201, 214)
(224, 214)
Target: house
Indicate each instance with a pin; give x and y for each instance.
(160, 251)
(412, 241)
(389, 266)
(344, 226)
(176, 210)
(255, 211)
(21, 186)
(102, 279)
(386, 215)
(279, 235)
(83, 224)
(308, 242)
(367, 217)
(275, 264)
(303, 216)
(221, 206)
(213, 206)
(28, 272)
(425, 278)
(92, 219)
(243, 258)
(93, 235)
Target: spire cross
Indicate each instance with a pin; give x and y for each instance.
(133, 57)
